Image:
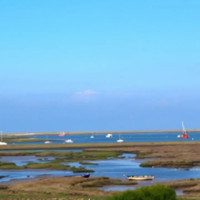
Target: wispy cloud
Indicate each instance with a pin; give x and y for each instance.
(86, 93)
(85, 96)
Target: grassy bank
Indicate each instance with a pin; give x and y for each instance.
(61, 160)
(75, 188)
(54, 165)
(190, 187)
(164, 154)
(78, 188)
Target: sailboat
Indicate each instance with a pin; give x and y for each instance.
(109, 135)
(120, 140)
(62, 134)
(47, 141)
(184, 135)
(1, 142)
(92, 136)
(69, 141)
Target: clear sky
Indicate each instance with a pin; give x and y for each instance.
(99, 65)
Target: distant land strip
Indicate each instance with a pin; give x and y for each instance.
(100, 132)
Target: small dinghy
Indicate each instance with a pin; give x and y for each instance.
(141, 178)
(69, 141)
(87, 175)
(109, 135)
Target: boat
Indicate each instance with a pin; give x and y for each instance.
(109, 135)
(120, 140)
(140, 178)
(47, 141)
(92, 136)
(87, 175)
(69, 141)
(62, 134)
(1, 142)
(185, 134)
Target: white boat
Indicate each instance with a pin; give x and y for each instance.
(92, 136)
(1, 142)
(69, 141)
(47, 142)
(120, 140)
(141, 178)
(109, 135)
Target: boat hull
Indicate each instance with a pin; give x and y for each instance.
(140, 178)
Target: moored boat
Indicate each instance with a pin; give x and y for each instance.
(185, 134)
(47, 142)
(141, 178)
(1, 142)
(69, 141)
(109, 135)
(87, 175)
(62, 134)
(120, 140)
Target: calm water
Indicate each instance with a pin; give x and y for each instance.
(113, 168)
(23, 160)
(12, 176)
(138, 137)
(120, 168)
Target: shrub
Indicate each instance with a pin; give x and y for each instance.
(155, 192)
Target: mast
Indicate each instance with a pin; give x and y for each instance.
(184, 131)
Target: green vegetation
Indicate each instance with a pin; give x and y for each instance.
(6, 165)
(54, 165)
(65, 188)
(21, 139)
(80, 169)
(103, 181)
(169, 163)
(87, 163)
(155, 192)
(50, 165)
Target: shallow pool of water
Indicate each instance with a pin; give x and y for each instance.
(114, 168)
(29, 174)
(23, 160)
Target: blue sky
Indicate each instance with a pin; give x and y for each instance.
(99, 65)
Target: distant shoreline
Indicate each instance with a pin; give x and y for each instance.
(99, 132)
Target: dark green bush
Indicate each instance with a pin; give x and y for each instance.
(155, 192)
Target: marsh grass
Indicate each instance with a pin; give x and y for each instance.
(73, 188)
(80, 169)
(88, 163)
(155, 192)
(9, 165)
